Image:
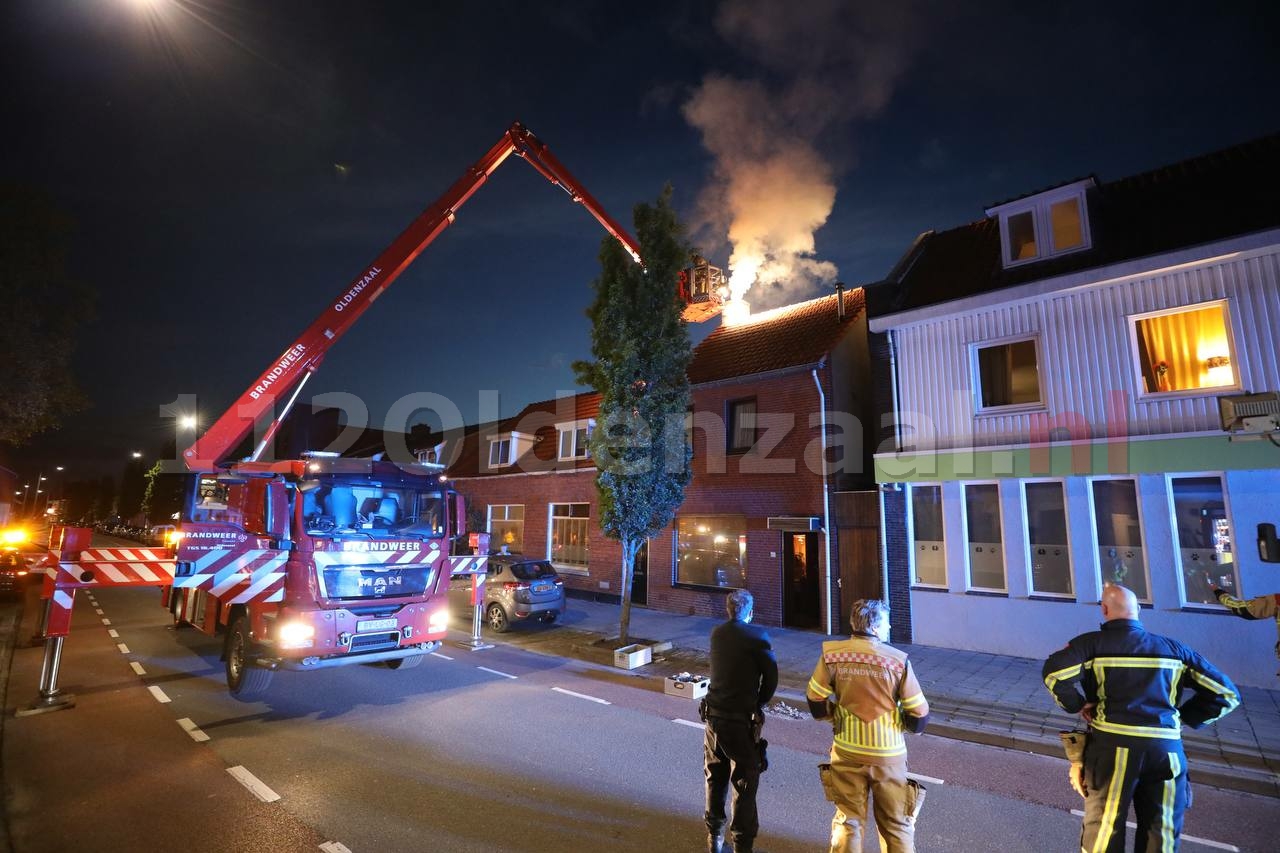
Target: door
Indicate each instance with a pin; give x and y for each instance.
(801, 601)
(857, 520)
(640, 580)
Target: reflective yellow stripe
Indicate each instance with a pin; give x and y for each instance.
(881, 737)
(914, 702)
(1168, 843)
(1136, 731)
(1109, 813)
(1054, 677)
(1139, 663)
(816, 688)
(1221, 689)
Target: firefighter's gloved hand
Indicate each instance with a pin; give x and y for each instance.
(1087, 712)
(1218, 593)
(1075, 775)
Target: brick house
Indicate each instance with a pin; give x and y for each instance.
(760, 511)
(1056, 369)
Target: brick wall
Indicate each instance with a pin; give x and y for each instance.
(899, 567)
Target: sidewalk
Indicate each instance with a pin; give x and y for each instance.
(973, 696)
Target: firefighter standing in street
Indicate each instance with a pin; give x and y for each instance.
(1126, 684)
(1260, 607)
(744, 674)
(869, 691)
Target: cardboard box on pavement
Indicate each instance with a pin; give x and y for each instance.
(632, 656)
(694, 689)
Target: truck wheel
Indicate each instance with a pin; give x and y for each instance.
(498, 618)
(405, 663)
(244, 680)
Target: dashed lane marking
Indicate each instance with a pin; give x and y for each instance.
(106, 621)
(1193, 839)
(159, 694)
(98, 610)
(137, 667)
(929, 779)
(582, 696)
(334, 847)
(498, 672)
(114, 634)
(690, 723)
(436, 655)
(124, 650)
(253, 783)
(200, 737)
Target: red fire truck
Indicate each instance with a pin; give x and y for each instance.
(321, 561)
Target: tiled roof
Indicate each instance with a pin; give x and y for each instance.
(1216, 196)
(791, 336)
(537, 419)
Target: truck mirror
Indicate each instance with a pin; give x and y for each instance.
(1268, 546)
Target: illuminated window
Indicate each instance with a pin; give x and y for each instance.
(1204, 538)
(711, 550)
(1185, 349)
(742, 425)
(506, 527)
(928, 544)
(1050, 558)
(1117, 527)
(1021, 236)
(573, 439)
(984, 537)
(1044, 225)
(1065, 224)
(1008, 374)
(568, 545)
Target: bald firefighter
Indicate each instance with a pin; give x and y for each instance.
(1260, 607)
(869, 691)
(1126, 683)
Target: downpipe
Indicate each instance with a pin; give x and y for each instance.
(826, 500)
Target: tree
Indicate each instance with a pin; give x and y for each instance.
(641, 354)
(43, 311)
(164, 493)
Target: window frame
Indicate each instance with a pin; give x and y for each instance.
(964, 527)
(568, 568)
(730, 407)
(495, 443)
(1135, 352)
(1142, 531)
(1032, 592)
(676, 582)
(489, 508)
(975, 375)
(1042, 224)
(911, 536)
(1221, 476)
(572, 428)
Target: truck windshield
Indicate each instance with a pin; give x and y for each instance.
(380, 511)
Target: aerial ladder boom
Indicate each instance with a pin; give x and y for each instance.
(286, 375)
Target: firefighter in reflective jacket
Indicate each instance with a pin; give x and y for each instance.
(1262, 607)
(1126, 684)
(869, 691)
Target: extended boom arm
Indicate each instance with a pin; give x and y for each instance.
(304, 355)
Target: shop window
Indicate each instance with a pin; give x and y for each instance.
(506, 527)
(1204, 539)
(928, 544)
(1050, 556)
(1185, 350)
(1117, 527)
(984, 537)
(568, 538)
(1008, 374)
(711, 550)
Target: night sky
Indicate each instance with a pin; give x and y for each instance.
(232, 164)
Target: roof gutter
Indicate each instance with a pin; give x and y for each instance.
(826, 500)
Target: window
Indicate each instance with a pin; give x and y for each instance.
(1118, 529)
(573, 439)
(1008, 374)
(568, 545)
(1045, 225)
(985, 540)
(742, 425)
(928, 544)
(1065, 224)
(1185, 349)
(711, 550)
(1204, 538)
(499, 452)
(506, 527)
(1050, 557)
(688, 430)
(1021, 236)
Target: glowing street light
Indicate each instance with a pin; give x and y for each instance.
(187, 422)
(136, 455)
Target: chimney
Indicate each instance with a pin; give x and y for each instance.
(839, 300)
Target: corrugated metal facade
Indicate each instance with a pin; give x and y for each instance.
(1086, 355)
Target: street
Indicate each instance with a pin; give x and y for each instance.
(511, 750)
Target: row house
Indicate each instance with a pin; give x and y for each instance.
(1056, 369)
(773, 397)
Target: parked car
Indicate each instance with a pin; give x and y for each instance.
(516, 589)
(13, 571)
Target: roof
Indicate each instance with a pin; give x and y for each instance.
(536, 419)
(1224, 194)
(791, 336)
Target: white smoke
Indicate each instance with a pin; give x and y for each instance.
(823, 65)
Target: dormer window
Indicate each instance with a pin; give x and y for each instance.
(1044, 225)
(507, 447)
(573, 439)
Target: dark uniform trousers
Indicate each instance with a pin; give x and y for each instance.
(1150, 773)
(732, 757)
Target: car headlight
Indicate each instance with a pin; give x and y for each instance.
(171, 538)
(295, 635)
(439, 620)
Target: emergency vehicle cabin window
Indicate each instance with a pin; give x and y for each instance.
(711, 550)
(928, 544)
(1118, 529)
(506, 527)
(568, 545)
(1204, 539)
(1049, 556)
(984, 537)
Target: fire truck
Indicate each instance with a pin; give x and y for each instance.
(323, 561)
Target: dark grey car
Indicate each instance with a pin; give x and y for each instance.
(516, 589)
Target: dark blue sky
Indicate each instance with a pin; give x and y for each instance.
(195, 146)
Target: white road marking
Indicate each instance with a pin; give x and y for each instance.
(159, 694)
(582, 696)
(106, 621)
(929, 779)
(200, 737)
(98, 610)
(690, 723)
(498, 672)
(124, 650)
(137, 667)
(334, 847)
(1194, 839)
(436, 655)
(114, 634)
(254, 784)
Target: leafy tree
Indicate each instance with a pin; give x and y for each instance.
(43, 311)
(641, 354)
(164, 493)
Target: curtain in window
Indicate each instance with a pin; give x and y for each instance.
(1183, 341)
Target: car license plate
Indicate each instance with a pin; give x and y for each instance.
(542, 587)
(376, 625)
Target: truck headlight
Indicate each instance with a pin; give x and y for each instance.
(296, 635)
(13, 536)
(439, 620)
